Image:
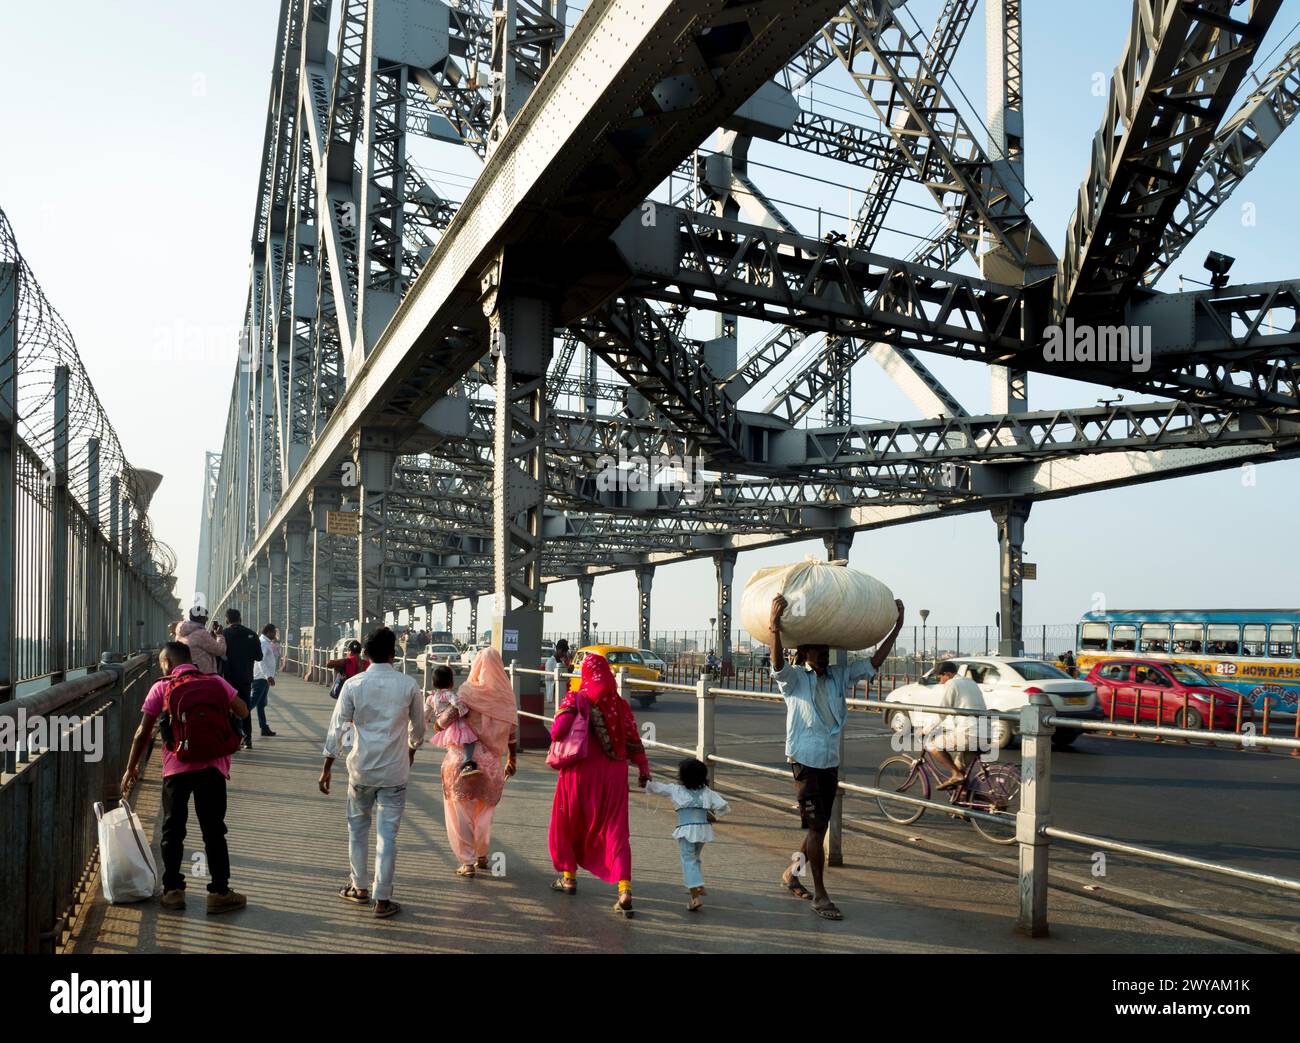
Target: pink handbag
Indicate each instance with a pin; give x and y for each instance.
(573, 747)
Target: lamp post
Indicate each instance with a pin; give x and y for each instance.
(925, 614)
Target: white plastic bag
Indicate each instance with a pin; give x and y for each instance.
(828, 604)
(126, 862)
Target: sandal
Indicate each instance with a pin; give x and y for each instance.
(625, 908)
(795, 888)
(568, 887)
(829, 911)
(482, 862)
(693, 906)
(466, 870)
(354, 895)
(383, 914)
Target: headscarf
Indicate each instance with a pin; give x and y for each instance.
(599, 686)
(488, 689)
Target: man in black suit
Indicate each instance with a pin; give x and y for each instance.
(243, 649)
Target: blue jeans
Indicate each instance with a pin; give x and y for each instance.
(692, 873)
(257, 694)
(363, 801)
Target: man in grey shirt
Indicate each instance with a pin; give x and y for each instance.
(385, 709)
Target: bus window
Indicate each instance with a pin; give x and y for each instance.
(1155, 637)
(1188, 637)
(1281, 641)
(1094, 637)
(1253, 639)
(1124, 637)
(1222, 639)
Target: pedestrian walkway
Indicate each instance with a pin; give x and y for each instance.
(288, 846)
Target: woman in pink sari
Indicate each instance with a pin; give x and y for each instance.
(469, 802)
(589, 825)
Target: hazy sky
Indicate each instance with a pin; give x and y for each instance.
(133, 133)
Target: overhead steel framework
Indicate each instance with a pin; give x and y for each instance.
(443, 398)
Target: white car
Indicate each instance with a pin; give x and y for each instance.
(467, 656)
(1006, 684)
(651, 659)
(438, 654)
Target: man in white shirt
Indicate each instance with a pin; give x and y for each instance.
(385, 709)
(956, 732)
(264, 678)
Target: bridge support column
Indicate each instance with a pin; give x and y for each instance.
(837, 549)
(9, 478)
(522, 332)
(296, 581)
(323, 622)
(277, 568)
(374, 456)
(645, 575)
(450, 605)
(724, 566)
(473, 619)
(585, 586)
(1010, 520)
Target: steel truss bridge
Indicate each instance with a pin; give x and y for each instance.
(430, 389)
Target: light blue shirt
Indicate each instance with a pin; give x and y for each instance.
(815, 708)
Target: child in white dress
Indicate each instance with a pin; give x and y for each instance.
(455, 732)
(697, 806)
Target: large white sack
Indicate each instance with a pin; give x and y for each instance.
(829, 604)
(129, 872)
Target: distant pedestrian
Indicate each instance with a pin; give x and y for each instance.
(697, 806)
(198, 737)
(346, 667)
(557, 659)
(385, 710)
(204, 647)
(243, 650)
(264, 676)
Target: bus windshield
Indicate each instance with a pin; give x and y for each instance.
(1187, 675)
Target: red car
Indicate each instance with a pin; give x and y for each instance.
(1151, 685)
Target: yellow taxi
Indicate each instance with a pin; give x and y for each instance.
(620, 656)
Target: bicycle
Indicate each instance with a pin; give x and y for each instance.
(991, 788)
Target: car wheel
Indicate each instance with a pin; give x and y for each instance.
(644, 701)
(898, 722)
(1063, 738)
(1001, 733)
(1190, 719)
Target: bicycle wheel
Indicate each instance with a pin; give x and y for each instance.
(902, 775)
(996, 790)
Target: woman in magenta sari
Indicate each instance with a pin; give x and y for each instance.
(469, 802)
(589, 825)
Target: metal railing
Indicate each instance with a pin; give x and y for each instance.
(69, 745)
(1034, 829)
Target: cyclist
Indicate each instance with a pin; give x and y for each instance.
(956, 732)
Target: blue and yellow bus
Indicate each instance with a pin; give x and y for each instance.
(1252, 651)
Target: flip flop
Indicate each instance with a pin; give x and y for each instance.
(829, 911)
(795, 888)
(353, 895)
(465, 870)
(626, 910)
(392, 910)
(563, 888)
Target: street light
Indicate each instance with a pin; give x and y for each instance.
(925, 614)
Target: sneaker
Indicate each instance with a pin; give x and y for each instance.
(268, 732)
(248, 744)
(174, 899)
(470, 769)
(226, 903)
